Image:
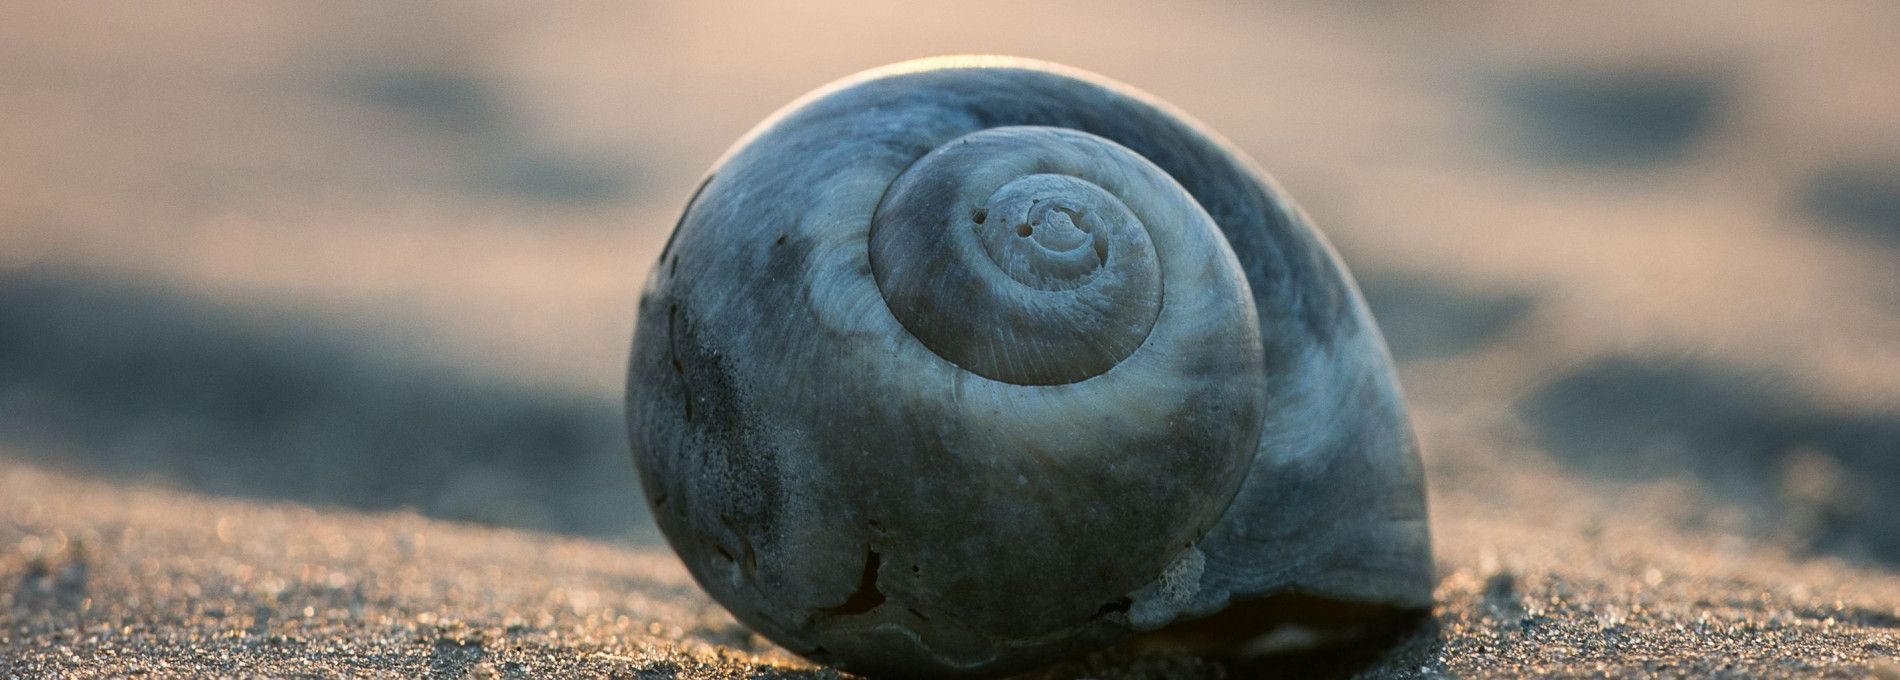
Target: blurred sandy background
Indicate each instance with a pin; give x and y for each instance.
(1640, 265)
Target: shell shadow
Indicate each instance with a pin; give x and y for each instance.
(1613, 118)
(127, 382)
(1823, 478)
(1425, 318)
(1382, 640)
(1284, 636)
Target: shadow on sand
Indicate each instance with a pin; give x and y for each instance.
(121, 380)
(1425, 318)
(1826, 478)
(501, 156)
(1613, 118)
(1862, 198)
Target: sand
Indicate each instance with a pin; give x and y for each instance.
(109, 580)
(313, 319)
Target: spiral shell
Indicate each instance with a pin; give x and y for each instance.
(960, 365)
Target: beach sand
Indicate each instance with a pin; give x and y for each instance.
(313, 318)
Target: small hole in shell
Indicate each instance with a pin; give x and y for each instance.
(1025, 230)
(980, 215)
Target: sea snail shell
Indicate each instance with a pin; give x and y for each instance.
(960, 365)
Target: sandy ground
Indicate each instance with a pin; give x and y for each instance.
(1539, 579)
(312, 317)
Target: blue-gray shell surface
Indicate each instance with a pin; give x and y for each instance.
(963, 365)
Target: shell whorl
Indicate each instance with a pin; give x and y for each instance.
(1023, 254)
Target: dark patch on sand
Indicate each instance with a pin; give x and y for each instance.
(1861, 198)
(501, 155)
(1501, 597)
(1622, 118)
(1425, 318)
(1826, 478)
(135, 383)
(54, 581)
(442, 99)
(456, 656)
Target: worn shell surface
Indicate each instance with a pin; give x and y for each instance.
(961, 365)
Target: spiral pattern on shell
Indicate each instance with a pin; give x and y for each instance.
(1004, 252)
(956, 366)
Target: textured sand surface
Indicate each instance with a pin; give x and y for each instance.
(313, 318)
(110, 580)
